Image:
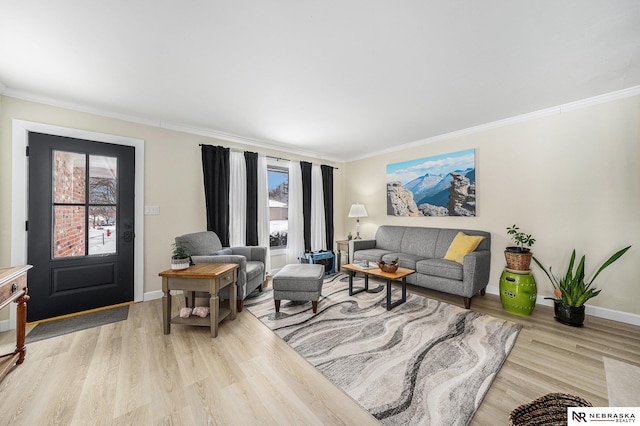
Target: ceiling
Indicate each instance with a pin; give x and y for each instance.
(331, 79)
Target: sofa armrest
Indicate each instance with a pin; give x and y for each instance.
(254, 253)
(362, 244)
(355, 245)
(475, 271)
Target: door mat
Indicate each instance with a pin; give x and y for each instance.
(62, 326)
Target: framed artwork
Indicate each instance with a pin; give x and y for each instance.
(443, 185)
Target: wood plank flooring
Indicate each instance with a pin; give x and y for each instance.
(130, 373)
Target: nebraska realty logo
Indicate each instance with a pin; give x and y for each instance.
(600, 415)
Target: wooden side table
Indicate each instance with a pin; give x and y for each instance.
(339, 245)
(201, 277)
(13, 288)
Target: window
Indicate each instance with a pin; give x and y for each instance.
(278, 178)
(84, 204)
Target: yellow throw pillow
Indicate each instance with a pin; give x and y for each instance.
(462, 245)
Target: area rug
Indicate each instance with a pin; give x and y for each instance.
(46, 330)
(423, 363)
(623, 383)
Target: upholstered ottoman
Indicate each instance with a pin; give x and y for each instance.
(299, 282)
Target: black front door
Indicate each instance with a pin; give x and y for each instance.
(80, 225)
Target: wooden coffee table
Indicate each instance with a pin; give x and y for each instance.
(202, 277)
(400, 275)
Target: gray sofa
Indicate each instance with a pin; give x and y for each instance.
(205, 247)
(423, 250)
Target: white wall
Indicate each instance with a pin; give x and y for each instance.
(173, 177)
(570, 179)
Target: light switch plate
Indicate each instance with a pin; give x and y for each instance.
(151, 210)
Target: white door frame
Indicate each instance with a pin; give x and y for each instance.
(20, 198)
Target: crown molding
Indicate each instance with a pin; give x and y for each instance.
(200, 131)
(267, 144)
(584, 103)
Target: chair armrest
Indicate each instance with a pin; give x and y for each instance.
(254, 253)
(227, 258)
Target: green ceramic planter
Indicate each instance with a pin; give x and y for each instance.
(518, 293)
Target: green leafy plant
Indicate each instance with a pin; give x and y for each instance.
(179, 251)
(520, 239)
(571, 289)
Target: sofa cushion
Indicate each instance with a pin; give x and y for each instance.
(405, 260)
(420, 242)
(440, 268)
(373, 255)
(390, 238)
(462, 245)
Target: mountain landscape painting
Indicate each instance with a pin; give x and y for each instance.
(443, 185)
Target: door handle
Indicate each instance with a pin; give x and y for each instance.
(127, 236)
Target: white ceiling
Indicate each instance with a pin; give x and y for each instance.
(328, 78)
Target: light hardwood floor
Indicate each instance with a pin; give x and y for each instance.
(130, 373)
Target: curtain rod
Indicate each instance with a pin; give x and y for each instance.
(270, 156)
(285, 159)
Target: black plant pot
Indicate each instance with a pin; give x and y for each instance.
(569, 315)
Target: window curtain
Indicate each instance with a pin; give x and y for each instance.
(251, 163)
(327, 186)
(295, 236)
(263, 208)
(318, 229)
(237, 199)
(215, 168)
(306, 202)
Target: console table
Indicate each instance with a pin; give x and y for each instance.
(340, 244)
(201, 277)
(13, 288)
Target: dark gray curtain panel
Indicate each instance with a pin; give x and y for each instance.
(215, 168)
(251, 160)
(305, 167)
(327, 188)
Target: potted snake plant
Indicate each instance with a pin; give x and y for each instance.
(571, 291)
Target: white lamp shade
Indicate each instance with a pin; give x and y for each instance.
(357, 210)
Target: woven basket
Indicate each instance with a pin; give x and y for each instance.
(550, 409)
(518, 261)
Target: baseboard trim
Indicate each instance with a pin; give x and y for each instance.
(153, 295)
(4, 326)
(596, 311)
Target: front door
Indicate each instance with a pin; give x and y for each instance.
(80, 225)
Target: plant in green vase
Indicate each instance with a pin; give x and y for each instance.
(571, 291)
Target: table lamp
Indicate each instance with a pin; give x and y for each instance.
(357, 210)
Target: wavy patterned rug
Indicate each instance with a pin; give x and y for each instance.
(423, 363)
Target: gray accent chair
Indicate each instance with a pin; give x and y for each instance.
(205, 247)
(423, 249)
